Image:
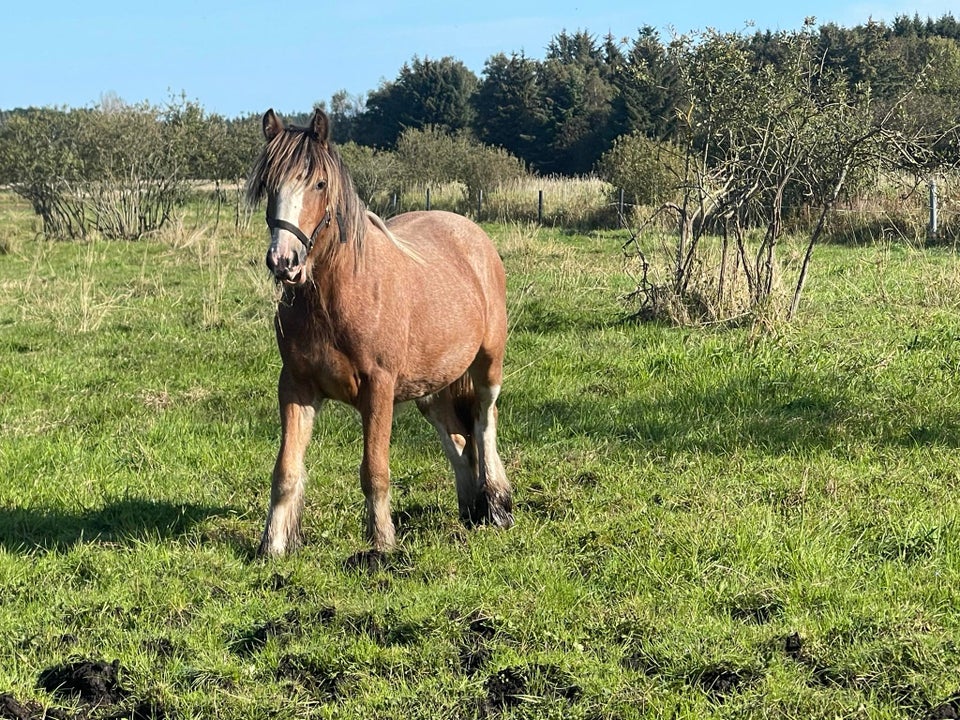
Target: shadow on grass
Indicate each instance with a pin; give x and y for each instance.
(125, 521)
(777, 416)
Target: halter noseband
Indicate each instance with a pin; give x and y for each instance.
(307, 242)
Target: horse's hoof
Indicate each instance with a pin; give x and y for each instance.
(370, 561)
(269, 550)
(500, 518)
(497, 512)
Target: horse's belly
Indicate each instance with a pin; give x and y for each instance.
(428, 372)
(413, 388)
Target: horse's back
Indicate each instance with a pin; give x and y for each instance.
(439, 233)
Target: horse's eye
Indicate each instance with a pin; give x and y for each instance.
(321, 185)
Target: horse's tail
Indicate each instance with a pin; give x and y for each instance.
(465, 403)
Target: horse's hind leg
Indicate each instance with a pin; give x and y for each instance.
(297, 412)
(497, 494)
(456, 439)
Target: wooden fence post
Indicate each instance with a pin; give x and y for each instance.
(932, 230)
(540, 207)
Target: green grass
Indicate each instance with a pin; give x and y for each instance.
(710, 522)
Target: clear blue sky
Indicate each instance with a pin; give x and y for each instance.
(240, 57)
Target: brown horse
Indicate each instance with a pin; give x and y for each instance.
(373, 314)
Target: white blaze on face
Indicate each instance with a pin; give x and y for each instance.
(289, 204)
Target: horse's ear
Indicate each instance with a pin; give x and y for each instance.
(320, 126)
(272, 125)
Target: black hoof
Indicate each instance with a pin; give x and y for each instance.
(495, 511)
(500, 511)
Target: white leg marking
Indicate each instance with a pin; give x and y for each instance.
(491, 468)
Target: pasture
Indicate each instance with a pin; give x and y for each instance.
(712, 522)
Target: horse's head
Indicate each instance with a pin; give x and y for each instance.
(300, 176)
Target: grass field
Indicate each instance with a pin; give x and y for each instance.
(710, 522)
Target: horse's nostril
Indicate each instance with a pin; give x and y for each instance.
(277, 262)
(285, 267)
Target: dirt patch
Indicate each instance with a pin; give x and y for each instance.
(511, 686)
(475, 650)
(94, 685)
(793, 645)
(320, 679)
(13, 709)
(721, 681)
(93, 682)
(277, 582)
(947, 710)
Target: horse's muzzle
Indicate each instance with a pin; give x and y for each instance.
(287, 267)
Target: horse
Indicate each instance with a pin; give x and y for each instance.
(372, 314)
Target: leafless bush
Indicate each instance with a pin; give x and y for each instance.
(119, 171)
(758, 137)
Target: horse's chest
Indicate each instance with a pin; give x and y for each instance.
(329, 372)
(316, 362)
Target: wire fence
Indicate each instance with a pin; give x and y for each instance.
(929, 214)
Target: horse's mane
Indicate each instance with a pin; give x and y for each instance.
(297, 152)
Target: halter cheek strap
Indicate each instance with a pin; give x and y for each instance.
(308, 242)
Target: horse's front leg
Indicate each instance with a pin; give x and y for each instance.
(376, 412)
(297, 412)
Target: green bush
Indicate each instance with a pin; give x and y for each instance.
(429, 158)
(375, 173)
(433, 156)
(119, 170)
(648, 171)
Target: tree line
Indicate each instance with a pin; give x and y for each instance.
(561, 114)
(714, 127)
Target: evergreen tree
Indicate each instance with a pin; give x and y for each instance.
(509, 107)
(646, 89)
(579, 103)
(433, 93)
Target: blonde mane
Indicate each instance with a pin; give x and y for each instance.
(297, 155)
(403, 245)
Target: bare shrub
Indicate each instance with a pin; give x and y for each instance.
(758, 137)
(117, 171)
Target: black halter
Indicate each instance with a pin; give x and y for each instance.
(300, 235)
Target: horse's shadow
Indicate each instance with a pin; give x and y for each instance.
(125, 522)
